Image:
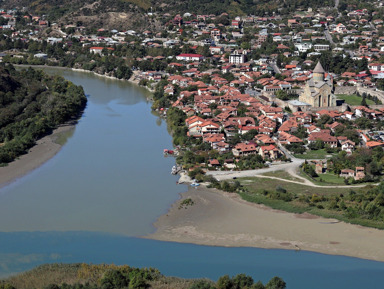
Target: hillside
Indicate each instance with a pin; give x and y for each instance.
(71, 276)
(31, 105)
(131, 14)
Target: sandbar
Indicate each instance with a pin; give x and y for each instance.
(45, 148)
(218, 218)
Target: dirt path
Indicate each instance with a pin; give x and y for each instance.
(310, 184)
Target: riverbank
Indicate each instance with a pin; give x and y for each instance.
(218, 218)
(45, 148)
(134, 78)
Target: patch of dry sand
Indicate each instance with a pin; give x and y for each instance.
(224, 219)
(44, 150)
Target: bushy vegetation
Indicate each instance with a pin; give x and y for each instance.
(31, 105)
(364, 206)
(109, 62)
(371, 160)
(84, 276)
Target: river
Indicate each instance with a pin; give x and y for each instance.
(108, 185)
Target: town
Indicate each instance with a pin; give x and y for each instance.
(240, 92)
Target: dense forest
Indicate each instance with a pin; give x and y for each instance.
(84, 276)
(32, 104)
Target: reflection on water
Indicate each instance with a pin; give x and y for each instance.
(110, 176)
(64, 136)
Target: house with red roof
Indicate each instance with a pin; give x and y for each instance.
(264, 139)
(209, 126)
(243, 149)
(286, 138)
(269, 152)
(325, 137)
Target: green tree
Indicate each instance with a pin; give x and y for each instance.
(276, 283)
(202, 284)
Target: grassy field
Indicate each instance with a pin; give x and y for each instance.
(330, 179)
(283, 175)
(353, 99)
(297, 198)
(256, 184)
(313, 154)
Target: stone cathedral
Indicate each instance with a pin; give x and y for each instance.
(318, 90)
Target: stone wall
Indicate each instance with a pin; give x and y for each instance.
(345, 90)
(377, 93)
(340, 108)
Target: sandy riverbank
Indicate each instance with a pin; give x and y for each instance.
(223, 219)
(45, 149)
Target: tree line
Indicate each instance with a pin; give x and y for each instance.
(32, 104)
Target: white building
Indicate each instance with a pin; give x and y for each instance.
(190, 57)
(236, 57)
(303, 47)
(321, 47)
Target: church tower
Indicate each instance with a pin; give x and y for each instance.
(318, 90)
(318, 73)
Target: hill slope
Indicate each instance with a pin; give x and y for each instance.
(132, 13)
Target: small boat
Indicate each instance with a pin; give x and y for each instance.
(195, 184)
(168, 152)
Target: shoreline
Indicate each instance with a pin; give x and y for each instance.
(132, 79)
(219, 218)
(44, 149)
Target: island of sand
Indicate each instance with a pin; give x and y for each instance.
(223, 219)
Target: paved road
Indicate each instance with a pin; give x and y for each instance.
(275, 68)
(328, 36)
(337, 3)
(226, 175)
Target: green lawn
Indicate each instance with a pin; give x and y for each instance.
(353, 99)
(312, 154)
(330, 179)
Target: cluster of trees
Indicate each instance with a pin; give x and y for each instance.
(371, 159)
(365, 207)
(251, 162)
(240, 281)
(280, 193)
(134, 278)
(309, 170)
(31, 105)
(73, 55)
(225, 186)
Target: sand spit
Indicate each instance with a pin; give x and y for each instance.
(223, 219)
